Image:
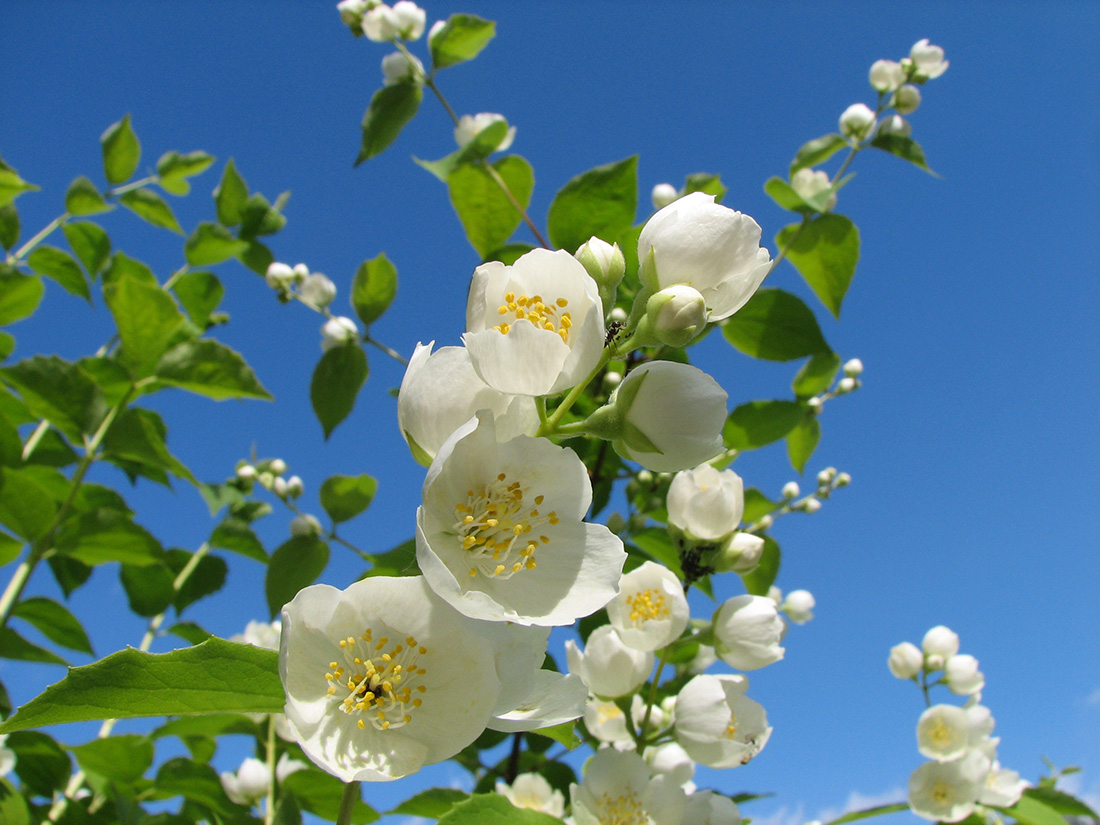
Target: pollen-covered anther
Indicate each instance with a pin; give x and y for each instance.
(536, 312)
(646, 605)
(375, 686)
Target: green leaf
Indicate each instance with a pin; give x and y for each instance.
(462, 38)
(234, 534)
(707, 183)
(345, 497)
(509, 253)
(103, 536)
(190, 632)
(390, 109)
(69, 573)
(784, 194)
(121, 758)
(756, 423)
(11, 445)
(432, 803)
(373, 288)
(287, 811)
(760, 580)
(173, 169)
(149, 589)
(230, 196)
(487, 214)
(89, 243)
(878, 810)
(802, 441)
(757, 505)
(1060, 801)
(59, 265)
(655, 542)
(26, 507)
(207, 578)
(19, 295)
(211, 244)
(1032, 811)
(13, 807)
(296, 563)
(14, 646)
(483, 144)
(149, 206)
(11, 186)
(825, 252)
(776, 326)
(121, 151)
(82, 198)
(122, 265)
(139, 435)
(40, 762)
(55, 622)
(199, 293)
(60, 392)
(319, 793)
(600, 202)
(9, 548)
(904, 147)
(9, 225)
(211, 369)
(816, 375)
(257, 257)
(494, 809)
(198, 783)
(817, 151)
(563, 734)
(258, 217)
(214, 677)
(399, 561)
(336, 381)
(147, 318)
(7, 345)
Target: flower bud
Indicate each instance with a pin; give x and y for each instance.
(815, 404)
(857, 122)
(294, 486)
(380, 24)
(470, 126)
(853, 367)
(740, 552)
(886, 75)
(338, 331)
(809, 182)
(842, 480)
(846, 384)
(410, 19)
(748, 631)
(765, 522)
(675, 316)
(776, 595)
(791, 490)
(617, 314)
(266, 479)
(826, 476)
(396, 68)
(248, 784)
(799, 606)
(811, 505)
(279, 276)
(906, 99)
(246, 472)
(277, 466)
(305, 525)
(905, 660)
(351, 14)
(927, 60)
(663, 194)
(318, 290)
(606, 264)
(962, 675)
(706, 504)
(895, 125)
(941, 643)
(278, 486)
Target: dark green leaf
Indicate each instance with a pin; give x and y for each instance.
(257, 257)
(69, 573)
(783, 194)
(19, 295)
(230, 196)
(14, 646)
(211, 369)
(196, 782)
(82, 198)
(9, 548)
(296, 563)
(139, 435)
(319, 793)
(174, 169)
(13, 807)
(486, 212)
(336, 381)
(373, 288)
(802, 441)
(825, 252)
(757, 505)
(149, 589)
(89, 243)
(26, 507)
(775, 325)
(207, 577)
(7, 345)
(190, 632)
(756, 423)
(211, 244)
(345, 497)
(148, 205)
(904, 147)
(60, 392)
(11, 186)
(40, 762)
(53, 263)
(816, 375)
(55, 622)
(760, 580)
(122, 265)
(600, 202)
(258, 217)
(9, 225)
(234, 534)
(655, 542)
(707, 183)
(432, 803)
(104, 536)
(462, 38)
(817, 151)
(147, 318)
(122, 758)
(53, 451)
(121, 151)
(400, 561)
(390, 109)
(878, 810)
(11, 445)
(494, 809)
(287, 811)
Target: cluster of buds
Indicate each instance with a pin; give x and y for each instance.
(269, 475)
(798, 605)
(897, 84)
(849, 382)
(401, 23)
(704, 511)
(297, 281)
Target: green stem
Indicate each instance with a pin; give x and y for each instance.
(37, 239)
(549, 427)
(137, 184)
(651, 700)
(175, 276)
(392, 353)
(269, 803)
(35, 437)
(347, 803)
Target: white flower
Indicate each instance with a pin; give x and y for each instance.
(1003, 788)
(618, 787)
(250, 783)
(7, 757)
(650, 610)
(470, 126)
(948, 791)
(530, 790)
(809, 182)
(380, 24)
(799, 606)
(886, 75)
(501, 536)
(906, 660)
(672, 760)
(857, 122)
(906, 99)
(318, 290)
(928, 59)
(663, 194)
(717, 724)
(705, 503)
(305, 525)
(939, 645)
(710, 808)
(699, 243)
(279, 276)
(286, 766)
(410, 19)
(260, 634)
(384, 677)
(294, 486)
(396, 68)
(666, 416)
(338, 331)
(351, 11)
(606, 721)
(748, 630)
(441, 391)
(962, 675)
(607, 666)
(553, 698)
(535, 327)
(943, 732)
(895, 125)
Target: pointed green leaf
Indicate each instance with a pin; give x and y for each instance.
(19, 295)
(11, 186)
(230, 196)
(13, 807)
(149, 206)
(59, 265)
(26, 507)
(55, 622)
(905, 148)
(877, 810)
(207, 578)
(757, 505)
(139, 435)
(390, 109)
(211, 244)
(122, 758)
(214, 677)
(656, 543)
(174, 169)
(190, 632)
(399, 561)
(69, 573)
(60, 392)
(211, 369)
(373, 289)
(487, 214)
(82, 198)
(40, 762)
(494, 809)
(149, 588)
(296, 563)
(776, 326)
(802, 441)
(760, 580)
(336, 381)
(89, 243)
(147, 318)
(563, 734)
(287, 811)
(256, 257)
(9, 225)
(432, 803)
(14, 646)
(817, 151)
(124, 265)
(601, 202)
(199, 293)
(103, 536)
(783, 194)
(462, 38)
(121, 151)
(258, 218)
(756, 423)
(319, 793)
(707, 183)
(483, 144)
(816, 375)
(345, 497)
(198, 783)
(10, 548)
(825, 252)
(234, 534)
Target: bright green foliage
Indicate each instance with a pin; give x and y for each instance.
(230, 196)
(9, 225)
(211, 369)
(258, 217)
(878, 810)
(14, 646)
(60, 266)
(211, 244)
(462, 38)
(11, 186)
(62, 393)
(19, 295)
(905, 148)
(390, 109)
(139, 436)
(705, 182)
(802, 441)
(373, 289)
(104, 535)
(296, 563)
(26, 507)
(55, 622)
(319, 793)
(817, 151)
(121, 151)
(173, 169)
(147, 204)
(783, 194)
(118, 758)
(488, 215)
(816, 375)
(483, 145)
(147, 318)
(83, 198)
(345, 497)
(89, 243)
(432, 803)
(757, 505)
(825, 252)
(775, 325)
(493, 809)
(601, 202)
(757, 423)
(564, 734)
(336, 382)
(760, 580)
(400, 561)
(197, 783)
(199, 293)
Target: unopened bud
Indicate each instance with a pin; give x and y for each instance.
(826, 476)
(301, 272)
(664, 194)
(318, 290)
(856, 122)
(351, 13)
(740, 553)
(246, 472)
(618, 314)
(905, 660)
(645, 477)
(266, 479)
(279, 276)
(606, 264)
(277, 466)
(675, 316)
(853, 367)
(397, 68)
(842, 480)
(305, 525)
(294, 486)
(380, 24)
(799, 606)
(846, 384)
(886, 75)
(906, 99)
(410, 19)
(612, 379)
(791, 490)
(895, 125)
(616, 523)
(765, 522)
(812, 505)
(278, 487)
(815, 404)
(775, 594)
(337, 332)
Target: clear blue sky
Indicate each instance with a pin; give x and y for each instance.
(973, 446)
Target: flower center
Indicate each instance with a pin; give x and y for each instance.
(496, 527)
(646, 605)
(379, 680)
(620, 810)
(542, 315)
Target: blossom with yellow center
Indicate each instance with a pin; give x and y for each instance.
(717, 724)
(501, 535)
(948, 791)
(650, 611)
(943, 732)
(620, 789)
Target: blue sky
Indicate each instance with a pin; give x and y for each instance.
(973, 445)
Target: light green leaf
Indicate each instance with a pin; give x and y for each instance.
(9, 548)
(9, 225)
(103, 536)
(319, 793)
(122, 265)
(757, 505)
(373, 289)
(211, 369)
(55, 622)
(336, 381)
(462, 38)
(878, 810)
(783, 194)
(483, 144)
(122, 758)
(390, 109)
(345, 497)
(174, 169)
(13, 807)
(776, 326)
(296, 563)
(1031, 811)
(11, 186)
(82, 198)
(905, 148)
(14, 646)
(707, 183)
(816, 375)
(563, 734)
(487, 214)
(59, 265)
(147, 318)
(121, 151)
(60, 392)
(802, 441)
(139, 435)
(1060, 801)
(199, 293)
(655, 542)
(432, 803)
(230, 196)
(211, 244)
(399, 561)
(26, 507)
(214, 677)
(257, 257)
(817, 151)
(760, 580)
(494, 809)
(19, 295)
(825, 252)
(756, 423)
(149, 206)
(89, 243)
(600, 202)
